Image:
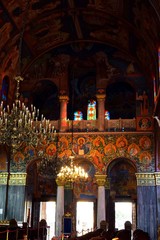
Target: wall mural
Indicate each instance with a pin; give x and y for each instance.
(89, 188)
(94, 153)
(39, 185)
(99, 150)
(3, 157)
(123, 183)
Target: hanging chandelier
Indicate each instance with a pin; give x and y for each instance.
(72, 173)
(20, 124)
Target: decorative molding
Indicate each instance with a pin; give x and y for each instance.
(157, 177)
(3, 178)
(101, 180)
(145, 179)
(4, 222)
(17, 179)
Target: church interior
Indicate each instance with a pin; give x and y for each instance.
(80, 115)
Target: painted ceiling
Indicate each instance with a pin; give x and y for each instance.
(115, 41)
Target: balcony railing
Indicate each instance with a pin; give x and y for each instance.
(115, 125)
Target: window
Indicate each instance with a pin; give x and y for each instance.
(91, 110)
(78, 115)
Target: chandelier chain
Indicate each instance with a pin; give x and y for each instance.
(24, 21)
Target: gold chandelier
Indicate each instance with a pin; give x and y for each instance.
(20, 124)
(72, 173)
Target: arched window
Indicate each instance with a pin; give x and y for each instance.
(4, 90)
(107, 115)
(91, 110)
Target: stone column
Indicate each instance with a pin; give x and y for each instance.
(147, 204)
(108, 202)
(59, 207)
(101, 110)
(101, 204)
(63, 112)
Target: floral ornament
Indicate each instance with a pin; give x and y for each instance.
(110, 149)
(145, 142)
(18, 157)
(51, 150)
(121, 142)
(133, 149)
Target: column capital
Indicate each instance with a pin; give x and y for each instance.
(60, 182)
(17, 179)
(157, 178)
(100, 179)
(145, 179)
(100, 96)
(63, 98)
(3, 178)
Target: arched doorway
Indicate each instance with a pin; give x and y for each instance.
(84, 199)
(41, 189)
(123, 193)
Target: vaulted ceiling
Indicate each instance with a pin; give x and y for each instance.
(112, 40)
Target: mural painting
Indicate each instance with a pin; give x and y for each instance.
(86, 189)
(144, 123)
(3, 159)
(122, 179)
(99, 150)
(94, 153)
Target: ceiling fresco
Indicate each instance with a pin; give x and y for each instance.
(89, 44)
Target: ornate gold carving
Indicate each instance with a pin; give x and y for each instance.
(145, 179)
(3, 178)
(4, 222)
(60, 182)
(101, 180)
(157, 177)
(68, 214)
(17, 179)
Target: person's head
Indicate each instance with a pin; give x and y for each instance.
(128, 225)
(43, 223)
(13, 223)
